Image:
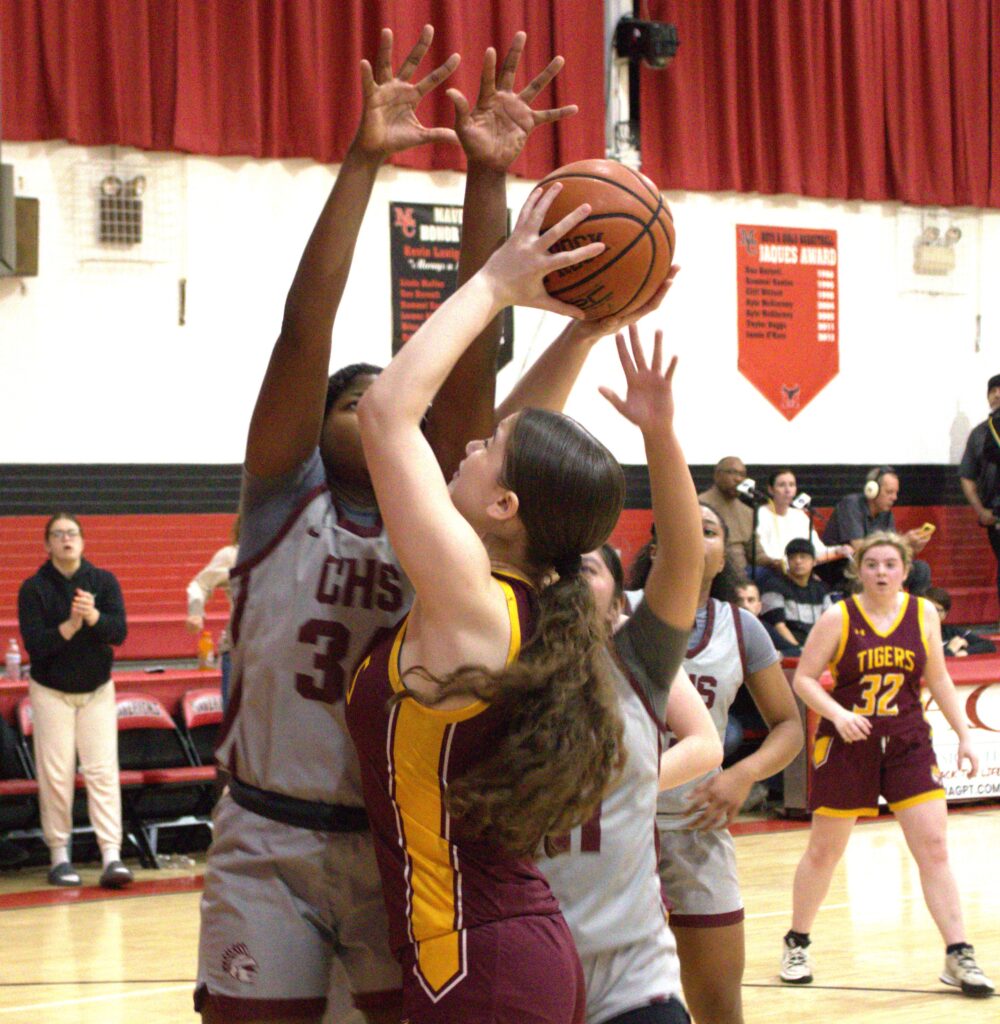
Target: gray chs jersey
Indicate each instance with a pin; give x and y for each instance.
(607, 882)
(310, 596)
(732, 646)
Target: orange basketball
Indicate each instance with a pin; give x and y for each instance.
(631, 218)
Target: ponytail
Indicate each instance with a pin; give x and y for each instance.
(562, 745)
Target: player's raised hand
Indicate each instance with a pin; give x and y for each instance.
(389, 121)
(516, 271)
(649, 398)
(494, 131)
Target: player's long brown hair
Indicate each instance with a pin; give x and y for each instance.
(563, 744)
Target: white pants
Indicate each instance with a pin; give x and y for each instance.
(67, 724)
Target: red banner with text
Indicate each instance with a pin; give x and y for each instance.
(787, 312)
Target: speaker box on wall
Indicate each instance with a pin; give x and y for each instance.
(26, 217)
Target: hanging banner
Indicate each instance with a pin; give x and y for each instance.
(787, 312)
(424, 244)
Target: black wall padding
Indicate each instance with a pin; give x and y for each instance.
(36, 489)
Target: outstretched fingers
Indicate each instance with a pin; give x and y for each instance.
(638, 356)
(542, 79)
(508, 70)
(613, 398)
(383, 59)
(438, 75)
(413, 58)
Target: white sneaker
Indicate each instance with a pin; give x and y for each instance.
(796, 968)
(962, 971)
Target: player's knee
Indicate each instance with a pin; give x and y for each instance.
(932, 852)
(822, 856)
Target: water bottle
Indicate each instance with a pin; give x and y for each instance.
(206, 651)
(12, 662)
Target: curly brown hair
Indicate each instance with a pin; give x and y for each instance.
(562, 748)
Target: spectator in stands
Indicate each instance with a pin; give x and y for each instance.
(215, 575)
(794, 601)
(722, 498)
(958, 642)
(979, 471)
(858, 515)
(71, 614)
(748, 596)
(778, 523)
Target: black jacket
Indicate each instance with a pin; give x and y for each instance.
(83, 663)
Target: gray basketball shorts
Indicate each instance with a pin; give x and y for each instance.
(698, 878)
(631, 976)
(281, 906)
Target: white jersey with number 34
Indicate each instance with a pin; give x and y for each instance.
(306, 608)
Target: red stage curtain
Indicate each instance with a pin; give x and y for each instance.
(271, 78)
(843, 99)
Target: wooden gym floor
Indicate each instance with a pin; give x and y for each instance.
(109, 958)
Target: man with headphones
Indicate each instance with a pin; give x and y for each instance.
(979, 471)
(858, 515)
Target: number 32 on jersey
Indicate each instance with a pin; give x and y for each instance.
(878, 694)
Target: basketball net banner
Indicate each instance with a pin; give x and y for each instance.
(787, 312)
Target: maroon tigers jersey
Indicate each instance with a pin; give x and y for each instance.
(878, 674)
(436, 884)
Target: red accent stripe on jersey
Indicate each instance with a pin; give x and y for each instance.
(706, 920)
(351, 526)
(239, 608)
(456, 877)
(740, 643)
(590, 834)
(387, 999)
(707, 635)
(235, 1008)
(637, 688)
(242, 567)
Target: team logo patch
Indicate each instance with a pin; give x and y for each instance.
(239, 964)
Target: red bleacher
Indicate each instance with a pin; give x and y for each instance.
(959, 554)
(154, 558)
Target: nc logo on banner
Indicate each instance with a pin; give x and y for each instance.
(787, 309)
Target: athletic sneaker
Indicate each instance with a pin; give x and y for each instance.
(962, 971)
(795, 966)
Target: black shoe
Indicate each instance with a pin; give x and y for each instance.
(64, 874)
(115, 876)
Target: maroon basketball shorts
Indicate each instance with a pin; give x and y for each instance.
(523, 970)
(848, 778)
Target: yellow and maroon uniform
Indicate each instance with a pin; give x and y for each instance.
(877, 674)
(478, 933)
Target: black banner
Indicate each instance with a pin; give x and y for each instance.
(425, 241)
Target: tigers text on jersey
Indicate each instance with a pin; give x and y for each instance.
(437, 886)
(877, 674)
(716, 665)
(306, 608)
